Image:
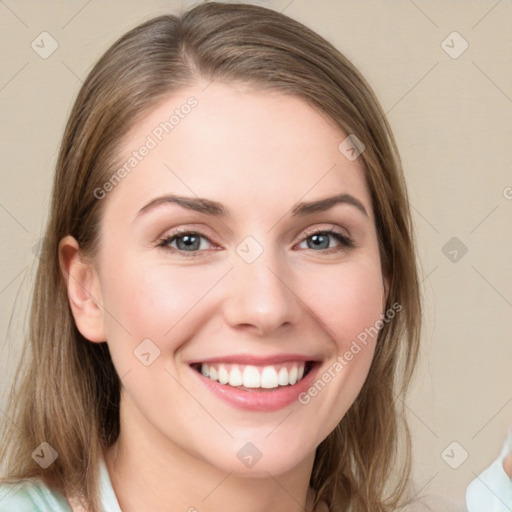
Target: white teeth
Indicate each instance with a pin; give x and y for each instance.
(293, 374)
(223, 375)
(251, 377)
(235, 377)
(282, 377)
(268, 377)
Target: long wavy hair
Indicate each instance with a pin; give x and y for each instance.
(66, 391)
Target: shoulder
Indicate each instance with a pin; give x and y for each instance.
(492, 489)
(30, 495)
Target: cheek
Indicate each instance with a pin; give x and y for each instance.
(151, 301)
(347, 299)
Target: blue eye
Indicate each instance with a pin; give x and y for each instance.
(319, 239)
(188, 243)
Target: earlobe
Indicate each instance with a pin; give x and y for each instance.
(83, 289)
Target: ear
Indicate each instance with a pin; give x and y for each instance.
(84, 292)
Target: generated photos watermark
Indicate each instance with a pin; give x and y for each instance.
(156, 136)
(344, 359)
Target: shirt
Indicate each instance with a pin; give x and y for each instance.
(491, 491)
(32, 495)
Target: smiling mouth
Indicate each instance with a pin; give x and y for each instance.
(253, 377)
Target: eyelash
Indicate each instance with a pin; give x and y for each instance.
(345, 241)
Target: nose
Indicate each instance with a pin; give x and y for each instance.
(261, 296)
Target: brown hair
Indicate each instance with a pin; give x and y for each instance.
(68, 392)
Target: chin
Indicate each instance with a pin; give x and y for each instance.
(260, 457)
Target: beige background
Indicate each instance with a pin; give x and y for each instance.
(452, 119)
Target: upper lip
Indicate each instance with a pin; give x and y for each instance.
(247, 359)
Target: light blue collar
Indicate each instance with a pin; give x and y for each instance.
(108, 497)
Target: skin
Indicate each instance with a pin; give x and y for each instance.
(258, 153)
(507, 465)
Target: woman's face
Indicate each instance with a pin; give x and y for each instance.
(215, 303)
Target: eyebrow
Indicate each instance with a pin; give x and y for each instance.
(209, 207)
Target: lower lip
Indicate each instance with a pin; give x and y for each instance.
(265, 400)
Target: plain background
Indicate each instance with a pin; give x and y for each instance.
(451, 115)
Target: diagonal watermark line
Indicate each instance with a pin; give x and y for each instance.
(413, 87)
(312, 187)
(169, 169)
(499, 293)
(424, 14)
(11, 421)
(491, 80)
(74, 16)
(206, 86)
(216, 487)
(3, 3)
(286, 6)
(192, 307)
(409, 409)
(199, 403)
(488, 215)
(423, 487)
(492, 418)
(12, 280)
(499, 498)
(424, 218)
(81, 81)
(15, 75)
(125, 374)
(279, 424)
(485, 15)
(429, 274)
(13, 218)
(284, 489)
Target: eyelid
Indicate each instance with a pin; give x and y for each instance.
(345, 241)
(183, 230)
(164, 240)
(329, 229)
(304, 233)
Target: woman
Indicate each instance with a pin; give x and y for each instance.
(193, 345)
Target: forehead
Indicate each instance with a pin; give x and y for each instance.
(251, 149)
